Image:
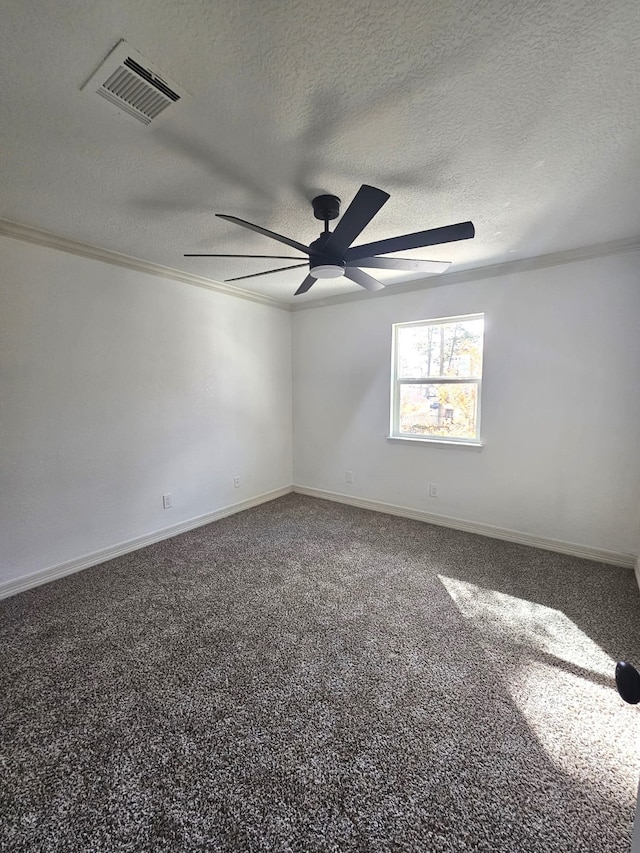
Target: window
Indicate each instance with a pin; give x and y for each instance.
(437, 378)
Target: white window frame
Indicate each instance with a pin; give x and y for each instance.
(397, 382)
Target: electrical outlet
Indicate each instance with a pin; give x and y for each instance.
(236, 482)
(433, 490)
(166, 501)
(348, 476)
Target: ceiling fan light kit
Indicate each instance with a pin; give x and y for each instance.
(327, 270)
(332, 254)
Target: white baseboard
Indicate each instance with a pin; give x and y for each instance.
(12, 587)
(611, 557)
(42, 576)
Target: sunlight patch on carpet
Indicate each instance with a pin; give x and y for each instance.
(529, 625)
(562, 708)
(561, 681)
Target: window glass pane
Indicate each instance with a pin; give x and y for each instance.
(447, 349)
(445, 411)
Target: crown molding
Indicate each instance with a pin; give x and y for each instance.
(85, 250)
(583, 253)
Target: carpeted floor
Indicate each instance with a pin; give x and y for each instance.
(306, 676)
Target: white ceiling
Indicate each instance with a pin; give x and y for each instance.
(521, 116)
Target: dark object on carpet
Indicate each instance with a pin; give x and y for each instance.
(306, 676)
(628, 682)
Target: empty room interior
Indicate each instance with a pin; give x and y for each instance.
(319, 426)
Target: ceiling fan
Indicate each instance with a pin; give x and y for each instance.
(332, 255)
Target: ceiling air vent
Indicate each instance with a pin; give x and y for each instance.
(129, 82)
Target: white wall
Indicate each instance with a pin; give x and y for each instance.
(118, 386)
(560, 407)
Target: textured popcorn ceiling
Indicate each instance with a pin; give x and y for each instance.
(521, 116)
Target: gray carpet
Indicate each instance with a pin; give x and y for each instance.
(306, 676)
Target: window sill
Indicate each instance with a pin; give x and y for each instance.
(435, 442)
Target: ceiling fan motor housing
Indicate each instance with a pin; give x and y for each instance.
(323, 265)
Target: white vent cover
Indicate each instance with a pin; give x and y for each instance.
(131, 83)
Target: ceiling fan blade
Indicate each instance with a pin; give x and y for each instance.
(403, 264)
(366, 203)
(265, 257)
(267, 272)
(293, 243)
(433, 237)
(306, 284)
(363, 279)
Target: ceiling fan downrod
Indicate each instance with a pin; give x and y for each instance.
(325, 208)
